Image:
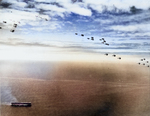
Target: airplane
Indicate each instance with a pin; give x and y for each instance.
(119, 58)
(106, 54)
(15, 25)
(12, 30)
(92, 38)
(107, 44)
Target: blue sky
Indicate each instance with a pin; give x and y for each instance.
(124, 24)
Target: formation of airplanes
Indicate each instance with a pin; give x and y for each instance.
(16, 24)
(13, 27)
(103, 41)
(144, 62)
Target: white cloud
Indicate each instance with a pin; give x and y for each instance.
(45, 0)
(102, 21)
(120, 4)
(82, 8)
(17, 15)
(18, 4)
(56, 14)
(51, 7)
(81, 11)
(15, 3)
(68, 8)
(21, 18)
(132, 28)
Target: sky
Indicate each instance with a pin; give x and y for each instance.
(49, 26)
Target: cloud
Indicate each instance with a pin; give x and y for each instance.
(132, 28)
(67, 7)
(122, 25)
(45, 1)
(50, 7)
(78, 8)
(18, 4)
(81, 11)
(17, 15)
(98, 5)
(120, 4)
(14, 3)
(5, 5)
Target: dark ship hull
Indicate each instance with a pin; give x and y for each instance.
(21, 104)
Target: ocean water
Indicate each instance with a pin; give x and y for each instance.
(75, 89)
(18, 70)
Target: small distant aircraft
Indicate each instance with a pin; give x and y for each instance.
(15, 25)
(76, 33)
(119, 58)
(12, 30)
(82, 34)
(107, 44)
(139, 63)
(106, 54)
(88, 38)
(114, 55)
(92, 38)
